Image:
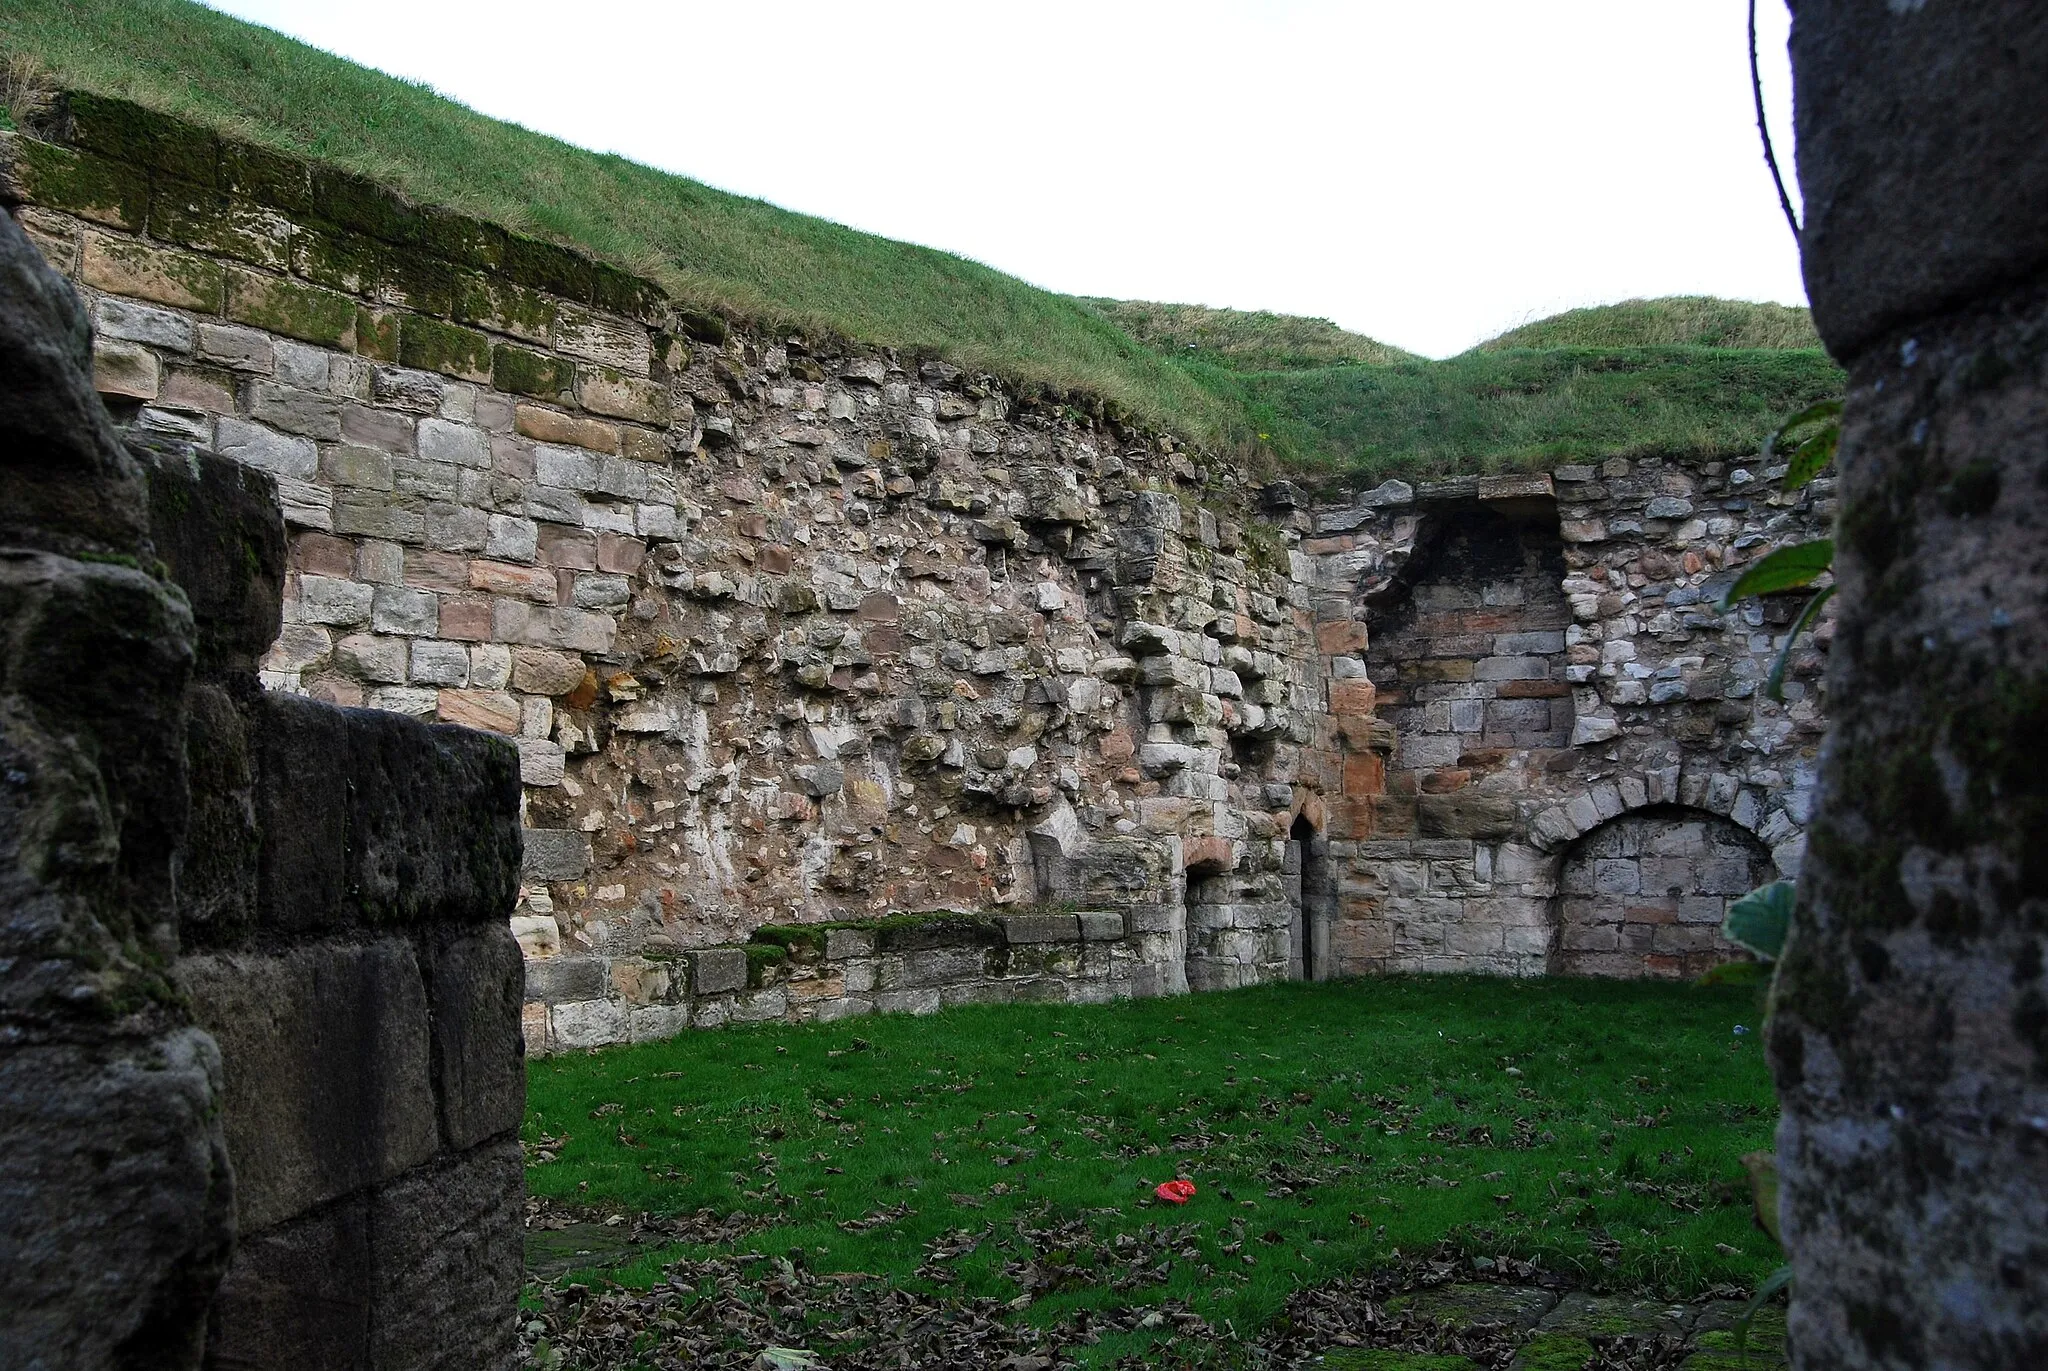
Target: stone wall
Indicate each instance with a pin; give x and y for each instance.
(793, 632)
(260, 1069)
(1549, 676)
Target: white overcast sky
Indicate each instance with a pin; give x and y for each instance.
(1428, 172)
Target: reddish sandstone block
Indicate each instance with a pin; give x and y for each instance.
(210, 391)
(1392, 817)
(496, 711)
(571, 548)
(323, 554)
(553, 426)
(1349, 820)
(620, 555)
(1365, 773)
(1209, 856)
(442, 571)
(506, 578)
(776, 560)
(1532, 690)
(465, 618)
(1445, 781)
(1340, 636)
(1352, 697)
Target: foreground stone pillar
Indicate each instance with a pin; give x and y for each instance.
(1910, 1034)
(260, 1060)
(116, 1201)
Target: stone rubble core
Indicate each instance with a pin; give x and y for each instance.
(260, 1063)
(789, 631)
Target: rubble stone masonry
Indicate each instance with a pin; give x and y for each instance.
(792, 632)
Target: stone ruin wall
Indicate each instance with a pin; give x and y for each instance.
(1569, 763)
(789, 632)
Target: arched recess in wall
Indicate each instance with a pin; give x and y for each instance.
(1312, 902)
(1644, 893)
(1467, 652)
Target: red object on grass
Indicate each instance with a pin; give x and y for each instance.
(1176, 1192)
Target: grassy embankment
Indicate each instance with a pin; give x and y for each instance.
(1593, 1126)
(1302, 391)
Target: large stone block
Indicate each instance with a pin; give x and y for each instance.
(214, 523)
(475, 985)
(1043, 928)
(556, 854)
(298, 1295)
(369, 819)
(718, 970)
(445, 1251)
(327, 1082)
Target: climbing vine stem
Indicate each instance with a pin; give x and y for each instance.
(1763, 127)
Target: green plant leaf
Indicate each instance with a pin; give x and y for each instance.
(1812, 414)
(1811, 457)
(1775, 686)
(1760, 920)
(1788, 568)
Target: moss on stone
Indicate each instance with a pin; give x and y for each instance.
(201, 218)
(450, 349)
(355, 202)
(895, 932)
(163, 275)
(504, 307)
(307, 313)
(544, 266)
(461, 239)
(339, 259)
(1554, 1352)
(799, 939)
(377, 334)
(624, 293)
(127, 132)
(422, 283)
(265, 176)
(762, 958)
(522, 371)
(94, 188)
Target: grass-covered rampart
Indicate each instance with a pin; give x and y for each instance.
(1677, 377)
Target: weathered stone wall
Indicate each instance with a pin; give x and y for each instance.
(791, 632)
(785, 632)
(1542, 659)
(260, 1068)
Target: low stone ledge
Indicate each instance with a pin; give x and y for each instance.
(1042, 928)
(1101, 926)
(718, 970)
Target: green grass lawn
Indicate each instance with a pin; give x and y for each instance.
(1594, 1127)
(1686, 376)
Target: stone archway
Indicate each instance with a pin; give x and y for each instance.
(1644, 893)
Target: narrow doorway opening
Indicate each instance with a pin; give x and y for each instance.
(1306, 897)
